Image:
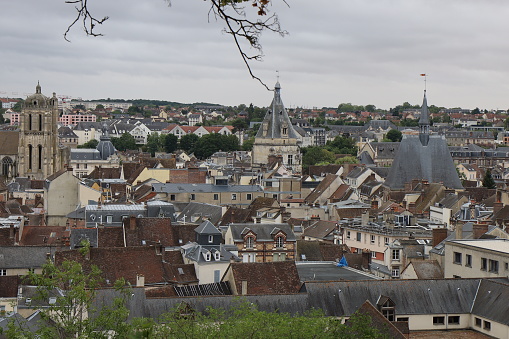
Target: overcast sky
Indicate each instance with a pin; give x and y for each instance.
(357, 51)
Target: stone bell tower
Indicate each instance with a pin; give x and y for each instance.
(38, 138)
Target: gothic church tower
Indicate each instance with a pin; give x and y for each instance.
(277, 137)
(38, 138)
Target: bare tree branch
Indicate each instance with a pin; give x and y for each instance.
(88, 21)
(238, 25)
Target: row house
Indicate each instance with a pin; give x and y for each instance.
(237, 195)
(181, 130)
(262, 242)
(74, 119)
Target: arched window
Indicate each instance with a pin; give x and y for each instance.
(279, 241)
(39, 163)
(7, 167)
(30, 154)
(30, 122)
(40, 122)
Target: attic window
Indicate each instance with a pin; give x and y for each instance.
(207, 256)
(249, 242)
(279, 242)
(211, 238)
(217, 256)
(53, 234)
(181, 271)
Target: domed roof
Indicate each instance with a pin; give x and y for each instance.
(105, 147)
(39, 100)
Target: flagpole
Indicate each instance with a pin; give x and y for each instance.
(425, 78)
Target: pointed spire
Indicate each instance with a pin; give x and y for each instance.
(424, 119)
(38, 88)
(424, 122)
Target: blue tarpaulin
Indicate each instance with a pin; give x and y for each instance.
(343, 262)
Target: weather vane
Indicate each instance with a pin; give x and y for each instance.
(425, 76)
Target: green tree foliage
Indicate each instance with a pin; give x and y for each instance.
(348, 107)
(409, 122)
(17, 106)
(248, 144)
(476, 111)
(135, 110)
(488, 180)
(125, 142)
(68, 316)
(342, 145)
(99, 106)
(246, 321)
(155, 143)
(239, 124)
(89, 144)
(214, 142)
(394, 135)
(316, 155)
(187, 142)
(347, 160)
(170, 143)
(81, 107)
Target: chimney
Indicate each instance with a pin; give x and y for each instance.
(132, 222)
(11, 232)
(364, 218)
(315, 217)
(459, 230)
(140, 280)
(244, 287)
(479, 230)
(497, 206)
(366, 259)
(439, 234)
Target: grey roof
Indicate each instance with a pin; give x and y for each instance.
(203, 210)
(24, 256)
(85, 154)
(328, 271)
(424, 118)
(196, 252)
(79, 234)
(207, 188)
(105, 147)
(207, 227)
(264, 232)
(66, 132)
(410, 296)
(415, 161)
(275, 118)
(491, 301)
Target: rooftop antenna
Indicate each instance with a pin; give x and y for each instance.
(277, 76)
(425, 78)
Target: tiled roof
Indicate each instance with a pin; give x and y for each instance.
(266, 278)
(9, 142)
(44, 235)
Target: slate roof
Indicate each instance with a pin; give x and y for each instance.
(236, 215)
(432, 162)
(378, 321)
(275, 117)
(491, 301)
(9, 286)
(319, 251)
(201, 211)
(264, 232)
(412, 297)
(426, 269)
(24, 256)
(321, 229)
(278, 277)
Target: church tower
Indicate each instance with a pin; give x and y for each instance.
(38, 138)
(277, 137)
(423, 157)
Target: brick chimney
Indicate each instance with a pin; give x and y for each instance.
(459, 230)
(439, 234)
(497, 206)
(479, 230)
(132, 222)
(11, 232)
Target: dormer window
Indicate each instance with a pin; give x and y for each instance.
(211, 238)
(279, 241)
(217, 256)
(249, 242)
(207, 256)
